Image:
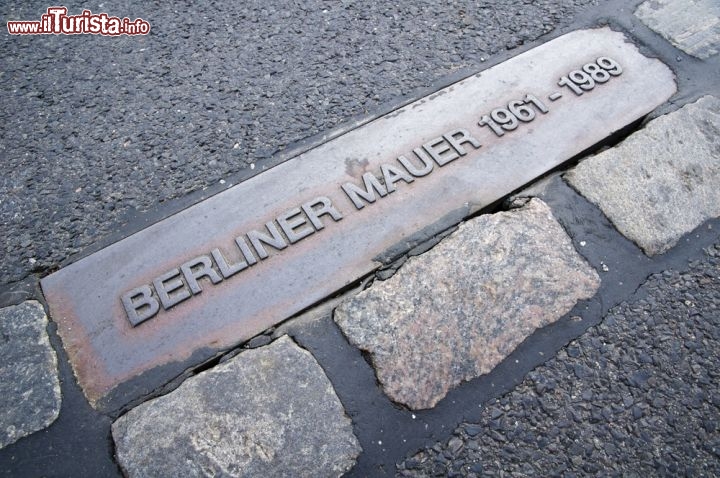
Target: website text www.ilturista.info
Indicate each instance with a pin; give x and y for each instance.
(57, 22)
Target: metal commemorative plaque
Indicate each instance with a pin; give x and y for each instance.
(222, 271)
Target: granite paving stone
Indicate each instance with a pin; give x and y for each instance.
(458, 310)
(691, 25)
(661, 182)
(269, 411)
(29, 388)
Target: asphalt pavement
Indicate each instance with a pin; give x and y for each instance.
(102, 136)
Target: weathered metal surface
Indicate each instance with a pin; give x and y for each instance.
(185, 287)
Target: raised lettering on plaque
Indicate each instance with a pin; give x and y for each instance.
(137, 313)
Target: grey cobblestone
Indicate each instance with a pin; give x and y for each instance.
(269, 411)
(661, 182)
(691, 25)
(29, 388)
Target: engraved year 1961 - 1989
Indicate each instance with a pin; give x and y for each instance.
(579, 81)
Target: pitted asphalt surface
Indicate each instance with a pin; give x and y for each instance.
(95, 129)
(96, 132)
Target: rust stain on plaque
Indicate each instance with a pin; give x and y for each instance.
(224, 270)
